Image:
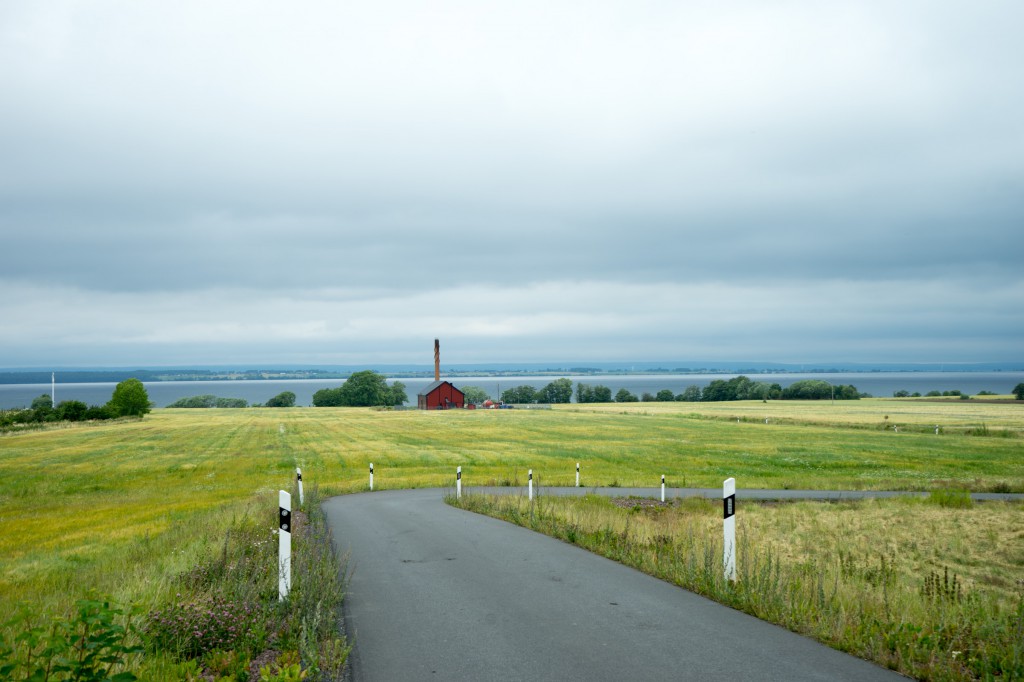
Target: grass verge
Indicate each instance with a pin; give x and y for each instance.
(923, 586)
(221, 619)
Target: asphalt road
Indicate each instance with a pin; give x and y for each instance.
(437, 593)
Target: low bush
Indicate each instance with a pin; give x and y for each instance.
(951, 499)
(189, 629)
(95, 644)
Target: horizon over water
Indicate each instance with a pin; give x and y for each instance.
(163, 393)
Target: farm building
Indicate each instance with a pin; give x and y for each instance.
(441, 395)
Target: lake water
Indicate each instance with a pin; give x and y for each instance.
(880, 384)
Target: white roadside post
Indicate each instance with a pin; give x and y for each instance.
(531, 485)
(284, 553)
(936, 429)
(729, 528)
(663, 487)
(458, 483)
(371, 477)
(298, 479)
(577, 474)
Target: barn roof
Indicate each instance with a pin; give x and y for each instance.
(427, 390)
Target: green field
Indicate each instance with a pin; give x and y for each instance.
(121, 506)
(999, 414)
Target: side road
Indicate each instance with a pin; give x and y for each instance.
(437, 593)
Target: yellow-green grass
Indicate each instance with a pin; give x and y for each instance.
(932, 591)
(982, 544)
(952, 415)
(122, 506)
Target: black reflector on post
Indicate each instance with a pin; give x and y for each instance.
(284, 520)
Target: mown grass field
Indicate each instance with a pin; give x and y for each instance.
(999, 414)
(119, 507)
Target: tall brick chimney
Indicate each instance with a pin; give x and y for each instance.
(437, 360)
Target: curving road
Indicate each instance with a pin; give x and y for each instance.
(437, 593)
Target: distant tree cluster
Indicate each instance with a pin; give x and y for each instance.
(740, 388)
(362, 389)
(816, 389)
(593, 394)
(129, 399)
(624, 396)
(743, 388)
(737, 388)
(282, 399)
(520, 395)
(692, 394)
(558, 391)
(209, 401)
(937, 394)
(1018, 391)
(474, 395)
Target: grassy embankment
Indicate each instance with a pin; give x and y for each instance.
(124, 507)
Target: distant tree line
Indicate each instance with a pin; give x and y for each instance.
(558, 391)
(209, 401)
(936, 394)
(737, 388)
(362, 389)
(282, 399)
(129, 399)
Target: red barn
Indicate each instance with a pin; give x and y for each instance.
(441, 395)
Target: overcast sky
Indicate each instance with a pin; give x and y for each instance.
(334, 182)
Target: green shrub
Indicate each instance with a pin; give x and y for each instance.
(228, 666)
(88, 647)
(952, 499)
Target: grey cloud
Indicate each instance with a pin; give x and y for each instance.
(942, 319)
(881, 237)
(388, 150)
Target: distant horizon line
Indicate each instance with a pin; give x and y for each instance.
(542, 366)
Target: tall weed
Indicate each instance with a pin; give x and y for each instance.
(96, 644)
